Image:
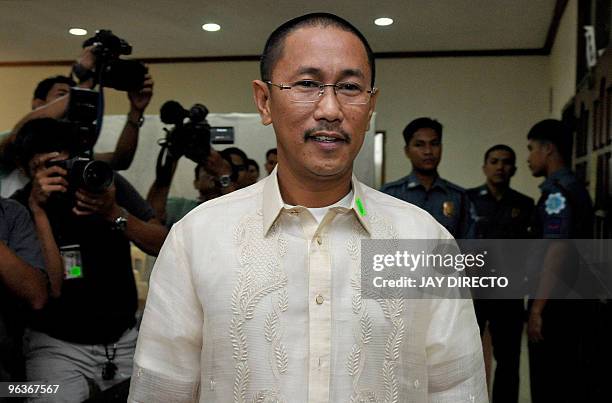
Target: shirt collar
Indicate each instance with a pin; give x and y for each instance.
(413, 181)
(273, 203)
(554, 177)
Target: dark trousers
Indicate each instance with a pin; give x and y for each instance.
(506, 319)
(557, 363)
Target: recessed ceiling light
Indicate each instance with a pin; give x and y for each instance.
(78, 31)
(383, 22)
(211, 27)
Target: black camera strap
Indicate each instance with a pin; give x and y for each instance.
(109, 369)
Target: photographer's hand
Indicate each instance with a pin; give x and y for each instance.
(45, 180)
(87, 58)
(85, 66)
(147, 235)
(140, 98)
(218, 166)
(103, 204)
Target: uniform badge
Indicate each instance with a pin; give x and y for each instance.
(555, 203)
(448, 208)
(515, 212)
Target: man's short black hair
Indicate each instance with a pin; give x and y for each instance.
(43, 87)
(252, 162)
(422, 123)
(271, 151)
(555, 132)
(274, 45)
(226, 153)
(500, 147)
(43, 135)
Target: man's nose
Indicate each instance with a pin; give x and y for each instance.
(327, 106)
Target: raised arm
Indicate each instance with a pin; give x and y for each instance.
(122, 157)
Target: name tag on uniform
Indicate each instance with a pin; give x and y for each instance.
(73, 264)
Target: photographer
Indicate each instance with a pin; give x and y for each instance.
(213, 178)
(85, 337)
(216, 173)
(52, 99)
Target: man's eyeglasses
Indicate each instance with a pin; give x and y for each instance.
(310, 91)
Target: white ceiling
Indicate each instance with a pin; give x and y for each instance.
(37, 30)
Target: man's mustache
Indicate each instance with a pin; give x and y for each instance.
(328, 127)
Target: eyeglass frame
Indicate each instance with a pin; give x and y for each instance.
(322, 86)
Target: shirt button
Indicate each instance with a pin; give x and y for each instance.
(319, 240)
(319, 299)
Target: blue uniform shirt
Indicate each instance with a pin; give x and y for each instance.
(445, 201)
(564, 209)
(508, 218)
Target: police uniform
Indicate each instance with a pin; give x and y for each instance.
(558, 363)
(508, 218)
(445, 201)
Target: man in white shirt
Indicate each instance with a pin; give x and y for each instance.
(256, 297)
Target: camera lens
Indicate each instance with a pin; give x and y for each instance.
(97, 176)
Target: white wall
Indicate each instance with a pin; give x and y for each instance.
(563, 60)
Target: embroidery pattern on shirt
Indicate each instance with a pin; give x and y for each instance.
(392, 310)
(260, 276)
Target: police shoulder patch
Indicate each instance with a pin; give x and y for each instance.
(555, 203)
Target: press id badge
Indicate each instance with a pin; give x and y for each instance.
(73, 264)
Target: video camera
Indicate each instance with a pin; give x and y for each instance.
(113, 72)
(86, 107)
(191, 135)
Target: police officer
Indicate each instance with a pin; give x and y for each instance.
(556, 327)
(445, 201)
(500, 212)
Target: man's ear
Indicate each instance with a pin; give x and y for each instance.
(406, 153)
(261, 96)
(548, 147)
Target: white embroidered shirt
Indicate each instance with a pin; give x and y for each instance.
(250, 301)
